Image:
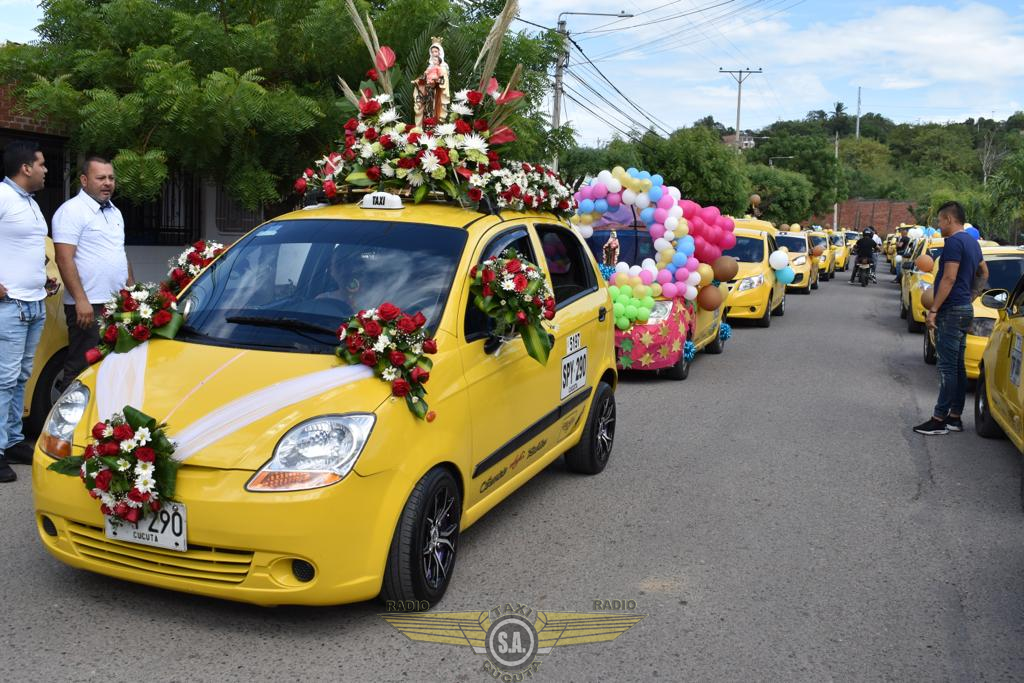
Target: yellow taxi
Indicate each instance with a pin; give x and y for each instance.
(801, 260)
(754, 293)
(841, 249)
(998, 397)
(48, 365)
(1005, 267)
(827, 260)
(302, 480)
(915, 282)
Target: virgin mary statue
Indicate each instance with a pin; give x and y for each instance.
(431, 94)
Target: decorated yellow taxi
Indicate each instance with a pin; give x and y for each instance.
(998, 397)
(41, 390)
(915, 282)
(827, 258)
(841, 249)
(755, 293)
(801, 259)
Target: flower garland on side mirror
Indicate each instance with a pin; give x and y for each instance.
(132, 316)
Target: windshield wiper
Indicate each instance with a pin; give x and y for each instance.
(281, 323)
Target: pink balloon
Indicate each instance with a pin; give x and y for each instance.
(726, 223)
(689, 209)
(666, 202)
(646, 277)
(713, 234)
(714, 254)
(691, 264)
(682, 274)
(585, 192)
(669, 291)
(657, 231)
(728, 240)
(578, 196)
(664, 276)
(614, 200)
(599, 191)
(710, 214)
(660, 215)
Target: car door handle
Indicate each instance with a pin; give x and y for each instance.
(602, 313)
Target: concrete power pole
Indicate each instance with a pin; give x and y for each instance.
(563, 54)
(858, 113)
(740, 75)
(835, 205)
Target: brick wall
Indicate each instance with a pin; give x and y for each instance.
(884, 214)
(12, 118)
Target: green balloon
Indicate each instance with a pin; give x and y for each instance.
(619, 309)
(613, 292)
(642, 292)
(643, 314)
(631, 312)
(648, 302)
(626, 289)
(622, 323)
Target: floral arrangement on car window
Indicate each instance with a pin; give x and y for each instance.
(515, 294)
(395, 345)
(127, 466)
(132, 316)
(450, 149)
(189, 263)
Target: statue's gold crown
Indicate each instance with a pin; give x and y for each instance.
(436, 40)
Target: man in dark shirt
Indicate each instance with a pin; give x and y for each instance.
(950, 316)
(864, 248)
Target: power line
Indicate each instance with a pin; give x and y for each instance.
(661, 20)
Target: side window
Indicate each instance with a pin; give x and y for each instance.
(571, 273)
(476, 323)
(1016, 307)
(771, 246)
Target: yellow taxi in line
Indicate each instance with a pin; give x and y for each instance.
(754, 293)
(302, 480)
(48, 364)
(842, 250)
(915, 282)
(1005, 267)
(801, 260)
(998, 397)
(827, 260)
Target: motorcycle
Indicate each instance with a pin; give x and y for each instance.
(864, 271)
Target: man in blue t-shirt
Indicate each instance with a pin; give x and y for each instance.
(950, 316)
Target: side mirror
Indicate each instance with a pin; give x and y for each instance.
(995, 299)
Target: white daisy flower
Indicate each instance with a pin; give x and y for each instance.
(145, 483)
(365, 152)
(388, 116)
(445, 129)
(508, 284)
(417, 348)
(122, 465)
(371, 313)
(129, 445)
(387, 171)
(390, 374)
(146, 311)
(143, 435)
(474, 142)
(462, 95)
(384, 98)
(533, 275)
(429, 162)
(415, 179)
(451, 143)
(361, 128)
(107, 499)
(461, 109)
(140, 296)
(143, 469)
(429, 142)
(108, 432)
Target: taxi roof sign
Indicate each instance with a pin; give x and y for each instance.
(381, 200)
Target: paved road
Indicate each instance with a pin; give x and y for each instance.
(773, 515)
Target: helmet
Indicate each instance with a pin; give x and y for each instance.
(867, 232)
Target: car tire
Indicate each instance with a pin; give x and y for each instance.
(814, 285)
(780, 310)
(903, 309)
(430, 520)
(43, 394)
(717, 346)
(766, 319)
(913, 326)
(984, 423)
(590, 455)
(929, 349)
(679, 371)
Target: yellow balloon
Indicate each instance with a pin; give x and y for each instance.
(655, 289)
(785, 249)
(618, 171)
(586, 219)
(646, 185)
(707, 273)
(795, 227)
(682, 230)
(621, 279)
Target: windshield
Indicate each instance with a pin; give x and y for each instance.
(819, 241)
(852, 236)
(289, 278)
(796, 243)
(1003, 273)
(935, 252)
(838, 240)
(747, 249)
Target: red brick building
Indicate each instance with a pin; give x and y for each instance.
(883, 214)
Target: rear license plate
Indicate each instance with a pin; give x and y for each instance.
(166, 528)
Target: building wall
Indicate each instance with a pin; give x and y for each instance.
(884, 214)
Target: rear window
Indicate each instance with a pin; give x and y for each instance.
(819, 241)
(747, 249)
(795, 243)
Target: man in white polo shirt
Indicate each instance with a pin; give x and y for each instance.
(22, 291)
(88, 237)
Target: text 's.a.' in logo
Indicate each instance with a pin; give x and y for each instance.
(511, 636)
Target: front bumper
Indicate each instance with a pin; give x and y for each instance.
(750, 303)
(654, 347)
(241, 545)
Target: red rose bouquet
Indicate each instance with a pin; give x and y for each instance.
(132, 316)
(189, 263)
(515, 294)
(395, 345)
(127, 466)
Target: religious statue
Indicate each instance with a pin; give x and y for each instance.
(610, 250)
(431, 94)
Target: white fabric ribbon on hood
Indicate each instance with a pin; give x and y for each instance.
(121, 381)
(250, 408)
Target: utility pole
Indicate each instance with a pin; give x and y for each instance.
(835, 205)
(739, 75)
(858, 113)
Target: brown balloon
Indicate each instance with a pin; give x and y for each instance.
(819, 250)
(924, 263)
(725, 268)
(755, 200)
(709, 298)
(927, 298)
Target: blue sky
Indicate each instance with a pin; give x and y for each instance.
(923, 61)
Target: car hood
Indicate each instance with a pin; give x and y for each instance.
(226, 407)
(748, 270)
(983, 311)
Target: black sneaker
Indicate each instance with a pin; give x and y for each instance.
(932, 427)
(20, 453)
(954, 424)
(6, 473)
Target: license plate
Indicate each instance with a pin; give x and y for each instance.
(163, 529)
(574, 372)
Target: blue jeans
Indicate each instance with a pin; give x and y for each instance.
(21, 325)
(951, 325)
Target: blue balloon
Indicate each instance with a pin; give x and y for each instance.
(647, 215)
(587, 206)
(601, 205)
(973, 232)
(785, 275)
(655, 193)
(632, 172)
(679, 259)
(644, 175)
(671, 268)
(657, 180)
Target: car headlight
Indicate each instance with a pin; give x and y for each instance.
(799, 260)
(315, 453)
(660, 312)
(63, 419)
(924, 286)
(981, 327)
(752, 282)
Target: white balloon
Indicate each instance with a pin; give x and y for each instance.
(628, 197)
(669, 235)
(676, 195)
(661, 244)
(691, 292)
(613, 185)
(604, 176)
(778, 260)
(671, 223)
(676, 211)
(586, 231)
(642, 201)
(622, 267)
(648, 264)
(634, 270)
(693, 279)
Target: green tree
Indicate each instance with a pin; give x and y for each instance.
(1007, 195)
(814, 156)
(696, 161)
(785, 195)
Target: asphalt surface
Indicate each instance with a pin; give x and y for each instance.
(773, 516)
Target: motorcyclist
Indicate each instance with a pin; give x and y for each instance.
(864, 249)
